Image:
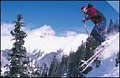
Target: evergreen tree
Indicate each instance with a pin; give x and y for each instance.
(37, 72)
(18, 63)
(80, 54)
(53, 68)
(45, 71)
(63, 66)
(116, 26)
(71, 63)
(58, 68)
(111, 26)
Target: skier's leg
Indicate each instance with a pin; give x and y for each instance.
(94, 34)
(99, 36)
(102, 28)
(99, 31)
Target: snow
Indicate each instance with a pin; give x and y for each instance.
(107, 67)
(42, 44)
(53, 43)
(4, 60)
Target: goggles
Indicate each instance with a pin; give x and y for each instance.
(84, 10)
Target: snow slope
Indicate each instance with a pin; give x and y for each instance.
(107, 67)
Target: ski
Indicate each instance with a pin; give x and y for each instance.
(88, 64)
(92, 60)
(96, 53)
(94, 57)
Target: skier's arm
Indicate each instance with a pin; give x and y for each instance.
(90, 14)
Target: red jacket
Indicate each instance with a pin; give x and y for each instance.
(95, 15)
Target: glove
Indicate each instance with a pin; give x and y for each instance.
(83, 20)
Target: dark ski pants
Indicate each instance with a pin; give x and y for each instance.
(97, 31)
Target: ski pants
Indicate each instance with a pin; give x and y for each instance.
(98, 31)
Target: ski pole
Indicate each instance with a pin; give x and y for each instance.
(86, 29)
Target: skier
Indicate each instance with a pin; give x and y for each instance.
(99, 21)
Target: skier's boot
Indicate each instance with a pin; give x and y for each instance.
(98, 63)
(116, 65)
(117, 60)
(87, 70)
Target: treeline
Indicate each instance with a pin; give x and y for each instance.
(113, 27)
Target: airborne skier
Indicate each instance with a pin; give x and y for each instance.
(99, 21)
(98, 33)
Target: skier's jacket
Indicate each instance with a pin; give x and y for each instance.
(95, 15)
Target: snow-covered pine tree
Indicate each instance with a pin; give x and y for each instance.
(117, 26)
(18, 64)
(111, 26)
(71, 64)
(36, 71)
(45, 70)
(53, 68)
(64, 64)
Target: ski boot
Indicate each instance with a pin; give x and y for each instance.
(117, 60)
(87, 70)
(97, 62)
(116, 65)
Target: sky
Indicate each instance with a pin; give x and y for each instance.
(60, 15)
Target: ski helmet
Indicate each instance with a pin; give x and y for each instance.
(83, 8)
